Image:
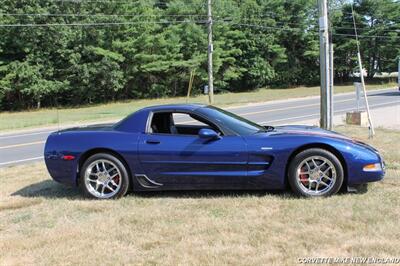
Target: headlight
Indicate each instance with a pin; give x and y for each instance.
(373, 167)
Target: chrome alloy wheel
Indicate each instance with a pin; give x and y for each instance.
(102, 179)
(316, 175)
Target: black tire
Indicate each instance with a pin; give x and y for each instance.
(121, 173)
(295, 182)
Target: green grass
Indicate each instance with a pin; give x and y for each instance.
(45, 223)
(117, 110)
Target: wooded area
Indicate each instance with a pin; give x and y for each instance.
(72, 52)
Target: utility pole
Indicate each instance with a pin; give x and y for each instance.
(210, 57)
(326, 115)
(331, 83)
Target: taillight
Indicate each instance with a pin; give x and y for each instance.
(68, 157)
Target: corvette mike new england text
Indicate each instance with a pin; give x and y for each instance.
(349, 260)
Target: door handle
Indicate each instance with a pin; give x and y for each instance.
(152, 141)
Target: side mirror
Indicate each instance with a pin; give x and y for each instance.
(206, 133)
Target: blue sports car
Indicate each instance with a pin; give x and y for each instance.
(194, 147)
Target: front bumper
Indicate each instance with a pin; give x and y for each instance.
(358, 171)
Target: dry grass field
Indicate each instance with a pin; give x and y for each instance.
(42, 222)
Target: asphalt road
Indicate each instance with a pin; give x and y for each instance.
(20, 148)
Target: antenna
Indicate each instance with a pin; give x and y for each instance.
(57, 114)
(58, 119)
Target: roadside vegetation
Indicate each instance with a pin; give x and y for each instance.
(43, 222)
(118, 110)
(64, 53)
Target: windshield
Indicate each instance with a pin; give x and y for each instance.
(234, 122)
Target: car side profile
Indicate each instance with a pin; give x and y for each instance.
(196, 147)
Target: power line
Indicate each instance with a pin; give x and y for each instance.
(264, 17)
(259, 26)
(181, 21)
(377, 18)
(99, 23)
(271, 15)
(265, 20)
(226, 21)
(277, 14)
(97, 1)
(259, 18)
(363, 36)
(368, 29)
(96, 15)
(278, 23)
(139, 22)
(122, 2)
(135, 15)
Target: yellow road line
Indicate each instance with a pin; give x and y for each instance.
(22, 144)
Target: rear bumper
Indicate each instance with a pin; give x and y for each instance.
(62, 171)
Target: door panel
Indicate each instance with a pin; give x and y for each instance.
(262, 154)
(193, 161)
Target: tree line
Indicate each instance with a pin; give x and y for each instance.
(74, 52)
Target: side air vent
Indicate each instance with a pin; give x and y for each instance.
(146, 182)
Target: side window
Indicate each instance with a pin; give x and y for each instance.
(178, 124)
(181, 119)
(189, 124)
(161, 123)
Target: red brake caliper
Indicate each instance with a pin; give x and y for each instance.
(303, 177)
(116, 179)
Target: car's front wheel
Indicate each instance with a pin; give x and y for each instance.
(103, 176)
(315, 172)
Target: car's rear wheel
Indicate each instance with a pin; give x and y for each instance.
(315, 172)
(103, 176)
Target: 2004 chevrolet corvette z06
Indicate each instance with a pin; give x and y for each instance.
(194, 147)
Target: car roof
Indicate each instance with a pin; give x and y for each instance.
(136, 122)
(183, 107)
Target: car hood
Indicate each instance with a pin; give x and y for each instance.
(319, 132)
(309, 131)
